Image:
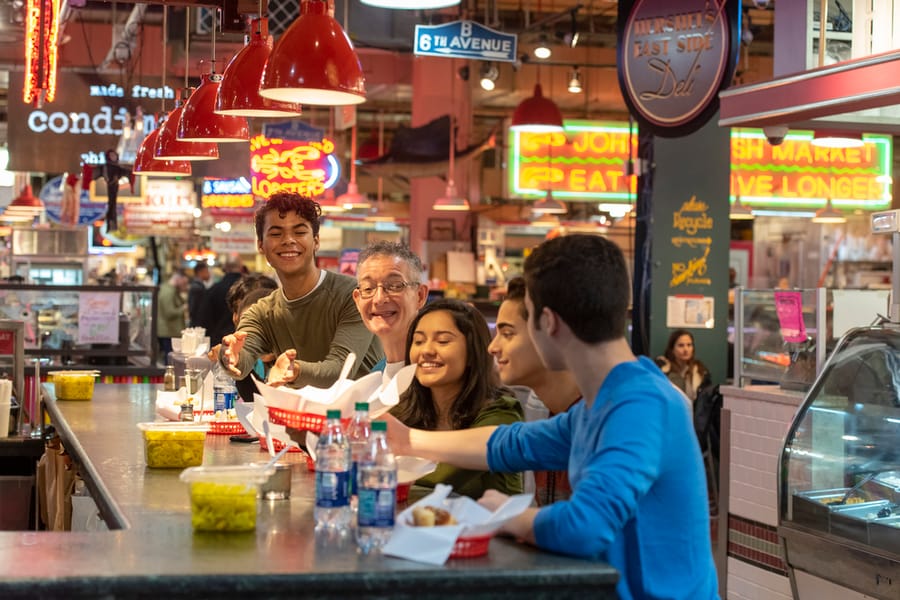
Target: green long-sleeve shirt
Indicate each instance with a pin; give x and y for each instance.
(471, 483)
(324, 327)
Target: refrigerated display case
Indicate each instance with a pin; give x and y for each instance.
(122, 339)
(839, 489)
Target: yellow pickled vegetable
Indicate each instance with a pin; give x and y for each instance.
(174, 449)
(223, 507)
(74, 386)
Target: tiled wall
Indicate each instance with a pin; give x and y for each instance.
(758, 429)
(760, 419)
(746, 582)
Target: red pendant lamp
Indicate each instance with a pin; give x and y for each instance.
(24, 207)
(537, 114)
(238, 93)
(313, 62)
(169, 147)
(146, 164)
(199, 121)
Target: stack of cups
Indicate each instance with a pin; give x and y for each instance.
(5, 406)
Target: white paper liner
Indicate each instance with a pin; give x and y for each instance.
(433, 545)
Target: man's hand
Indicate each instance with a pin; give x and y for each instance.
(232, 345)
(521, 526)
(285, 370)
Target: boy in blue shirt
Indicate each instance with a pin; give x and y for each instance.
(638, 488)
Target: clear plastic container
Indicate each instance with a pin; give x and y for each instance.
(74, 385)
(223, 498)
(170, 445)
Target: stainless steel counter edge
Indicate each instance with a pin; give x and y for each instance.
(158, 555)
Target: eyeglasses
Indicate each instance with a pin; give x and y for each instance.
(393, 287)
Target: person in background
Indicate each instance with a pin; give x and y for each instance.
(456, 387)
(519, 364)
(197, 292)
(242, 295)
(171, 311)
(216, 316)
(388, 295)
(629, 445)
(681, 366)
(311, 323)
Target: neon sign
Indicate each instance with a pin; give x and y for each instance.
(588, 162)
(41, 51)
(227, 194)
(800, 175)
(304, 167)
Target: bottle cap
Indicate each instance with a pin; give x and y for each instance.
(361, 406)
(333, 414)
(379, 426)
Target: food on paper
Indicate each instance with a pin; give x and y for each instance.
(430, 516)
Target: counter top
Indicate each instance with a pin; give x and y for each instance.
(155, 552)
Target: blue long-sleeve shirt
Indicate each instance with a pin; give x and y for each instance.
(639, 498)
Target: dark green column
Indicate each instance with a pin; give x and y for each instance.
(690, 241)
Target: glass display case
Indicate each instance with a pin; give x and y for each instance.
(780, 336)
(839, 488)
(79, 326)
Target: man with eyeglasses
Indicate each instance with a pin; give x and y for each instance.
(311, 323)
(389, 294)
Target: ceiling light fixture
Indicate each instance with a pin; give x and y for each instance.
(169, 147)
(537, 114)
(829, 214)
(451, 201)
(489, 75)
(352, 199)
(146, 164)
(549, 205)
(837, 139)
(740, 211)
(313, 62)
(199, 121)
(238, 93)
(411, 4)
(328, 204)
(542, 50)
(575, 81)
(24, 207)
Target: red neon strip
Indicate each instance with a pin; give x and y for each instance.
(32, 50)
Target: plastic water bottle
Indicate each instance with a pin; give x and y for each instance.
(224, 389)
(333, 476)
(358, 432)
(377, 488)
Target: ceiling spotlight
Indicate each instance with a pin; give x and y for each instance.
(575, 81)
(542, 50)
(571, 38)
(489, 75)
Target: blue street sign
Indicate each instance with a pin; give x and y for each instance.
(296, 131)
(465, 39)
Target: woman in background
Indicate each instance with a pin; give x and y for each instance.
(456, 387)
(681, 366)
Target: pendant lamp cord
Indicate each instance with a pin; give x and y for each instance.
(353, 153)
(452, 173)
(187, 45)
(165, 39)
(215, 26)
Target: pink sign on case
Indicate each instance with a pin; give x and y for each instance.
(789, 307)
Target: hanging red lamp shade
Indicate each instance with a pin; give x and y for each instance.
(238, 93)
(169, 147)
(147, 164)
(313, 62)
(23, 207)
(537, 113)
(199, 121)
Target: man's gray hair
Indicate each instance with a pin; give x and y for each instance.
(393, 249)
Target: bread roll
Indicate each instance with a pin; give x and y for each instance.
(430, 516)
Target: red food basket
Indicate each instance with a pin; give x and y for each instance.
(226, 428)
(297, 420)
(471, 547)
